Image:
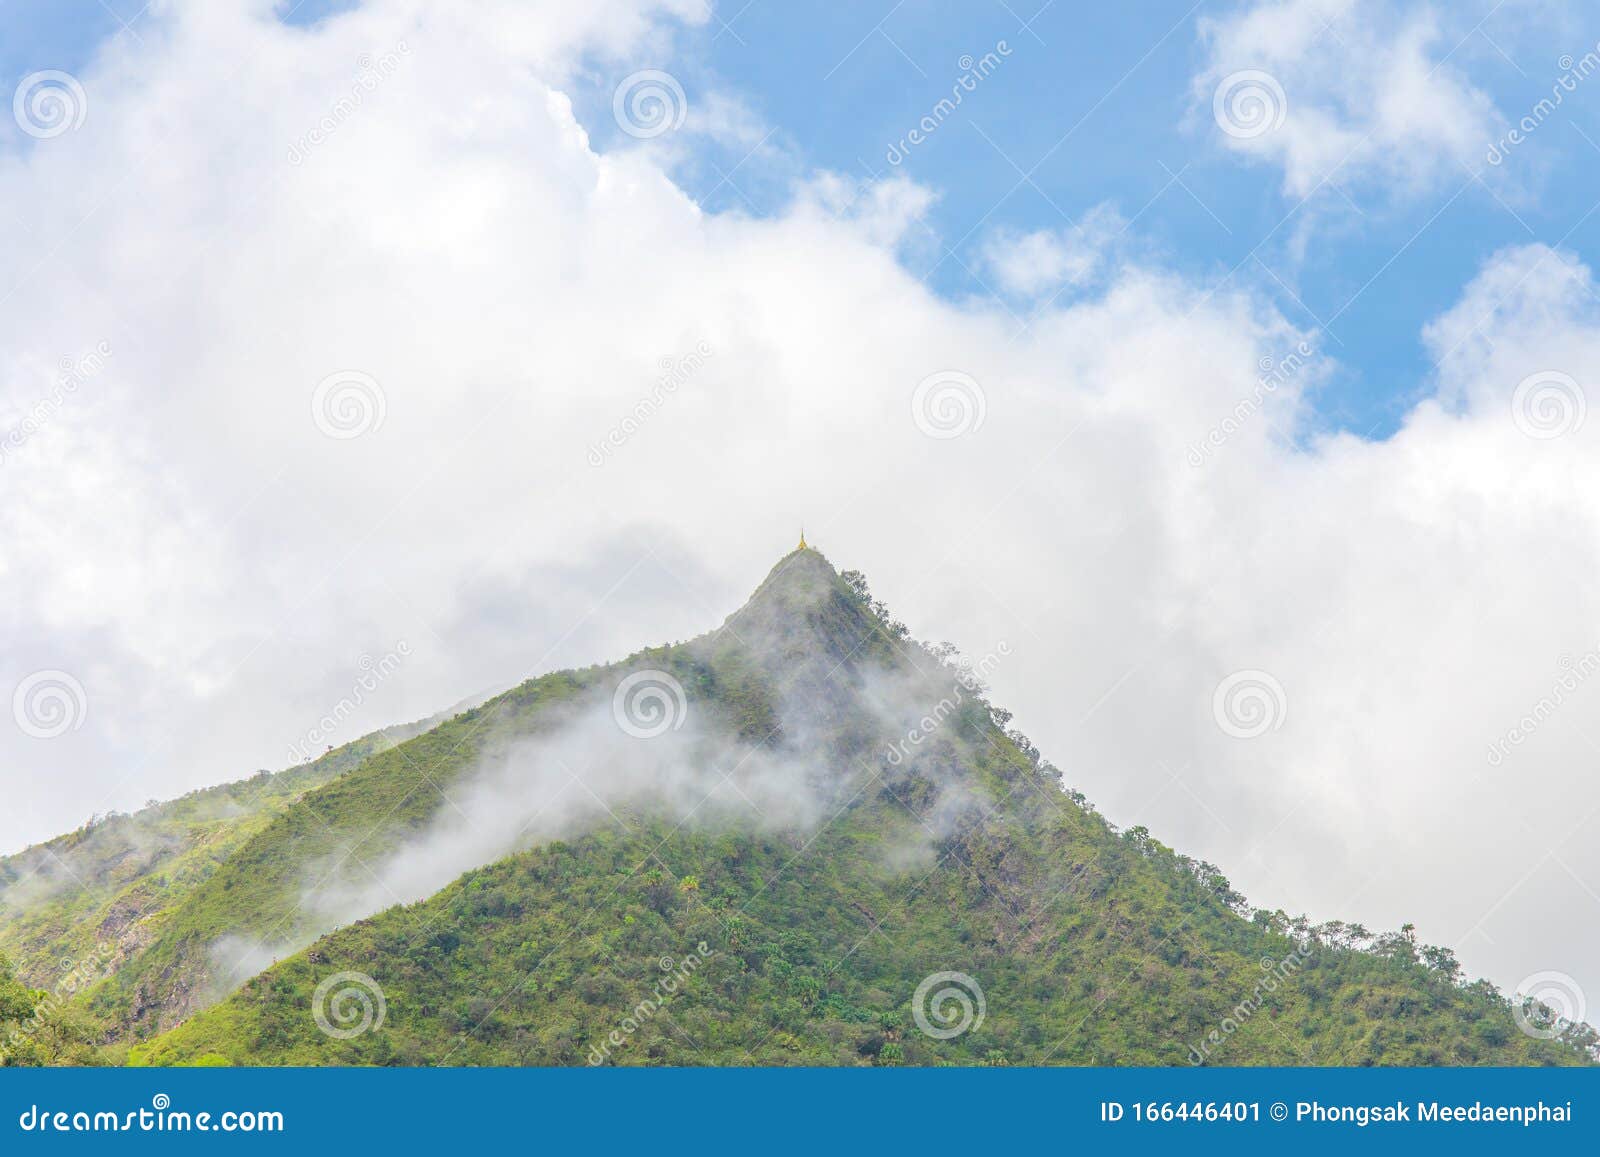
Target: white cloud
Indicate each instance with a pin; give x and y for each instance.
(884, 213)
(1045, 261)
(1346, 92)
(186, 542)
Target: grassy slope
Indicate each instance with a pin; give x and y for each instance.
(60, 900)
(255, 892)
(361, 816)
(1091, 946)
(91, 902)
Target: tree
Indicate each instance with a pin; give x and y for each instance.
(35, 1030)
(1442, 961)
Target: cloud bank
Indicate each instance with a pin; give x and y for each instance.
(349, 399)
(1348, 92)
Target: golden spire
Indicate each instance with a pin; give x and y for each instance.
(803, 545)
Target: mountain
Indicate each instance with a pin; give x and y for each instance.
(89, 903)
(64, 898)
(803, 838)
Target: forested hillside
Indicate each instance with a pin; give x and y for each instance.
(77, 910)
(846, 859)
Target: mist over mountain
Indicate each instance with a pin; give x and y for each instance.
(804, 837)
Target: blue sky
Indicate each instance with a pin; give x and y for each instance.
(1105, 255)
(1096, 104)
(1093, 104)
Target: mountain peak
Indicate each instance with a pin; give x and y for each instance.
(804, 620)
(803, 563)
(882, 790)
(800, 584)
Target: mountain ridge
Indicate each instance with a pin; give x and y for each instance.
(835, 812)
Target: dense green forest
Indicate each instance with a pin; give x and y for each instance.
(103, 901)
(940, 898)
(62, 900)
(538, 959)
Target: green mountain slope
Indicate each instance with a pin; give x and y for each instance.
(252, 906)
(85, 905)
(829, 851)
(62, 898)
